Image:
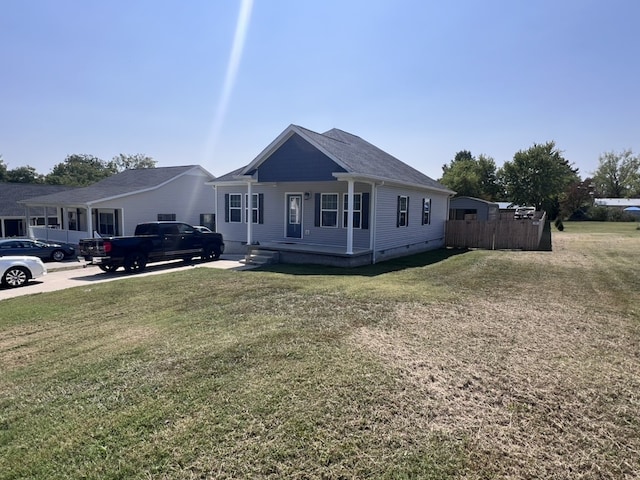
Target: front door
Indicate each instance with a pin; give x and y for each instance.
(294, 215)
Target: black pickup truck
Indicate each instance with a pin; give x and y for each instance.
(152, 242)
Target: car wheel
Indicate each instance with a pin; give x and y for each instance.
(208, 254)
(135, 262)
(16, 277)
(57, 255)
(108, 268)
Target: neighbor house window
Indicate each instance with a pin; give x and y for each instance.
(234, 211)
(426, 211)
(329, 210)
(403, 211)
(107, 224)
(166, 217)
(357, 210)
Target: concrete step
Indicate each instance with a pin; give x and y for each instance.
(261, 257)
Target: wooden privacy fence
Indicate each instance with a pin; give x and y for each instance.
(503, 234)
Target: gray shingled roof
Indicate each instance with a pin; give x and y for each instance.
(12, 193)
(362, 158)
(359, 158)
(124, 183)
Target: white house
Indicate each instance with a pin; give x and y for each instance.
(115, 205)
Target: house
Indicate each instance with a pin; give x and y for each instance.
(13, 215)
(620, 203)
(115, 205)
(463, 208)
(329, 198)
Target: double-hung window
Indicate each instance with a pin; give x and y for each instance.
(235, 207)
(426, 211)
(403, 211)
(329, 210)
(255, 202)
(357, 210)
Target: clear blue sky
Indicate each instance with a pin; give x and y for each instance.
(197, 82)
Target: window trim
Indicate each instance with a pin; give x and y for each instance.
(345, 210)
(426, 211)
(329, 210)
(402, 213)
(234, 208)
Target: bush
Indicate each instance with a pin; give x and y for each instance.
(558, 223)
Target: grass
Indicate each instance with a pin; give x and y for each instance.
(450, 364)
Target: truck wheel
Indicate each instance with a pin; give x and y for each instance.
(211, 253)
(135, 262)
(108, 268)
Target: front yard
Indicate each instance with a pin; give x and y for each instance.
(474, 365)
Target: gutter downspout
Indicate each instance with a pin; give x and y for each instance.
(350, 217)
(249, 211)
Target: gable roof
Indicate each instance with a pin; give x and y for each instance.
(12, 193)
(121, 184)
(359, 158)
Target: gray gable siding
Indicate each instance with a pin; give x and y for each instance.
(297, 161)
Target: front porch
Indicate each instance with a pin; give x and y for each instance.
(303, 253)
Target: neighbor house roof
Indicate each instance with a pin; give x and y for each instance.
(12, 193)
(119, 185)
(359, 158)
(617, 202)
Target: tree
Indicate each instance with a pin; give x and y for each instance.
(80, 170)
(577, 199)
(537, 177)
(471, 177)
(129, 162)
(24, 175)
(3, 170)
(618, 175)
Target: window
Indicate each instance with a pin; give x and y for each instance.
(166, 217)
(234, 211)
(256, 207)
(106, 223)
(426, 211)
(329, 210)
(403, 211)
(357, 210)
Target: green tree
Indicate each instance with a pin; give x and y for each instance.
(618, 175)
(79, 170)
(538, 177)
(471, 177)
(3, 170)
(24, 175)
(577, 199)
(123, 162)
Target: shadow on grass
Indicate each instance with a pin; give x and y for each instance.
(412, 261)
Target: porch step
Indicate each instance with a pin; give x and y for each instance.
(261, 257)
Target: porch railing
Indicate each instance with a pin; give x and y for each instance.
(57, 235)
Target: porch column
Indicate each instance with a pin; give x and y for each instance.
(249, 212)
(350, 217)
(89, 221)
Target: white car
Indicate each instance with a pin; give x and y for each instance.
(16, 271)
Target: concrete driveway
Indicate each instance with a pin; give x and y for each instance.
(72, 273)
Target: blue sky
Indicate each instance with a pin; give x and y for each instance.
(199, 82)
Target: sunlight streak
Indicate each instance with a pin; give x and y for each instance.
(230, 77)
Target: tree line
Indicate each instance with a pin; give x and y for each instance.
(541, 177)
(76, 170)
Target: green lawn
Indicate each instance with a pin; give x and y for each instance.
(450, 364)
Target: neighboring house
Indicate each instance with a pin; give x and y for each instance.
(115, 205)
(13, 215)
(466, 208)
(330, 198)
(617, 202)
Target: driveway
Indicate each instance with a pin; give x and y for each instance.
(72, 273)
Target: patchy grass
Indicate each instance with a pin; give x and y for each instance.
(450, 364)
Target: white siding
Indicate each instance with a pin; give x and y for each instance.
(187, 196)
